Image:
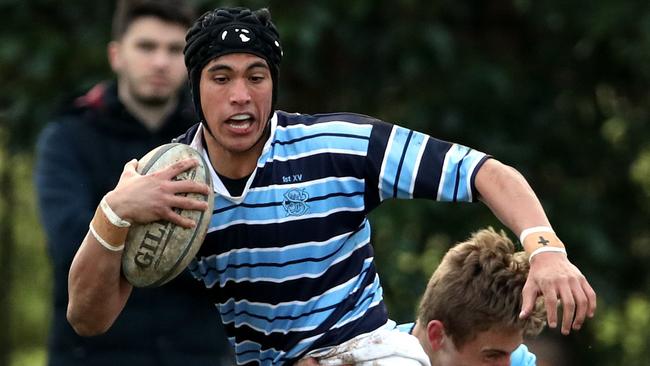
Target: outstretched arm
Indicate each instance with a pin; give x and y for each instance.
(97, 291)
(514, 203)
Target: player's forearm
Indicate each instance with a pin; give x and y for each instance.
(510, 197)
(97, 292)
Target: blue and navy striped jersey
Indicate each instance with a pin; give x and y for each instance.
(289, 263)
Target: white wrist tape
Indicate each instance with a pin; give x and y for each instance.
(111, 215)
(532, 230)
(103, 242)
(545, 249)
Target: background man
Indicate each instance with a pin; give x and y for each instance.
(81, 154)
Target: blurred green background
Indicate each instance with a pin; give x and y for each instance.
(558, 89)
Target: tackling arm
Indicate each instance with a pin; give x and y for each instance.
(514, 203)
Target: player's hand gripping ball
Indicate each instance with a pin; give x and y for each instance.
(157, 252)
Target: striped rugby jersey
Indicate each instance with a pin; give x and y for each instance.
(289, 263)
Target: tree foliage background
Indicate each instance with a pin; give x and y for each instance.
(557, 89)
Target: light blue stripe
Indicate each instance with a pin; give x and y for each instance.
(293, 309)
(254, 352)
(408, 166)
(292, 252)
(289, 272)
(466, 171)
(321, 144)
(203, 271)
(362, 308)
(299, 131)
(448, 177)
(289, 210)
(279, 194)
(391, 163)
(281, 325)
(306, 322)
(317, 188)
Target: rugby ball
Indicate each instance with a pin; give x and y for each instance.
(157, 252)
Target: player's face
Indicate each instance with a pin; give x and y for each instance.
(489, 348)
(236, 94)
(148, 60)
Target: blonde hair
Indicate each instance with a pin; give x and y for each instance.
(478, 286)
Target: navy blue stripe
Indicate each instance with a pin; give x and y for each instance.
(286, 119)
(401, 163)
(285, 342)
(278, 265)
(312, 167)
(278, 203)
(295, 289)
(428, 178)
(475, 194)
(460, 164)
(288, 142)
(373, 319)
(298, 336)
(315, 311)
(271, 235)
(376, 151)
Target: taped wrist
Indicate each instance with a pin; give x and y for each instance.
(109, 235)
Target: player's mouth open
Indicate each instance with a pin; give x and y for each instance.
(240, 121)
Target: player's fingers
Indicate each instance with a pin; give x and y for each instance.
(177, 168)
(550, 303)
(529, 294)
(176, 218)
(187, 203)
(130, 167)
(591, 297)
(188, 186)
(568, 307)
(581, 303)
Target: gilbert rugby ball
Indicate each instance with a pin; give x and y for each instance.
(157, 252)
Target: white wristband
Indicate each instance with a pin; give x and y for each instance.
(111, 215)
(532, 230)
(103, 242)
(545, 249)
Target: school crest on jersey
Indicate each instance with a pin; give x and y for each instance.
(295, 202)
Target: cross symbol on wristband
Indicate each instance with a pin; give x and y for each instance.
(543, 241)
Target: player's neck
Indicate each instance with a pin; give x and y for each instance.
(152, 117)
(233, 164)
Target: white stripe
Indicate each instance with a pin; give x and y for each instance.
(383, 163)
(286, 219)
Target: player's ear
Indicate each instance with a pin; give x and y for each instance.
(114, 57)
(435, 334)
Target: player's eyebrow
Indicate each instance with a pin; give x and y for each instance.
(220, 66)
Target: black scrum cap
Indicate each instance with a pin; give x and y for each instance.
(231, 30)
